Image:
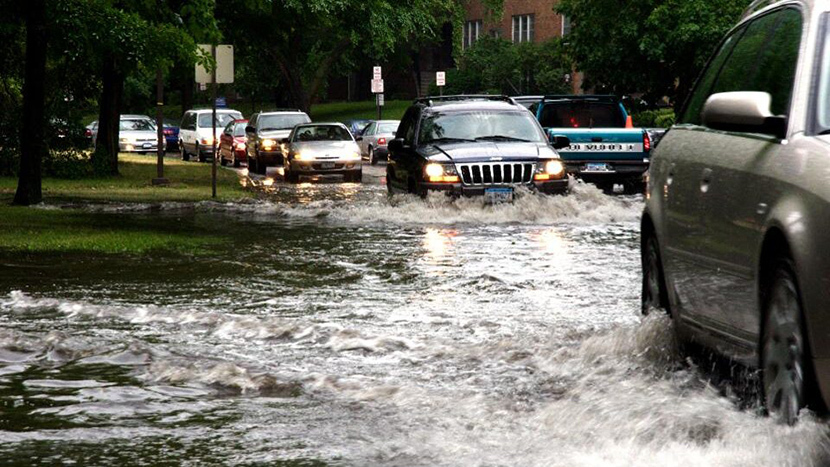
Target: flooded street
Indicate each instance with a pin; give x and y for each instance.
(330, 326)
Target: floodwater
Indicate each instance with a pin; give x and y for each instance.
(334, 327)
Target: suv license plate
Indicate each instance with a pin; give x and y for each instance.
(498, 195)
(597, 167)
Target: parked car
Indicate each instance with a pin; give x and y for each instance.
(530, 102)
(473, 145)
(195, 132)
(264, 133)
(137, 133)
(232, 149)
(322, 149)
(171, 134)
(604, 149)
(375, 137)
(356, 127)
(737, 215)
(91, 132)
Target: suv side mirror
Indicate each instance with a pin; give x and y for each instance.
(396, 144)
(559, 141)
(744, 112)
(359, 138)
(250, 129)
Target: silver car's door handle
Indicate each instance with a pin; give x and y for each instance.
(705, 180)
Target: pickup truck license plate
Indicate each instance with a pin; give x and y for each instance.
(327, 165)
(498, 195)
(603, 147)
(597, 167)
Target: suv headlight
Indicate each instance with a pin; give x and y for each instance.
(441, 173)
(268, 144)
(549, 169)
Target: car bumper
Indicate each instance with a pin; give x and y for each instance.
(269, 157)
(138, 147)
(615, 170)
(241, 155)
(317, 167)
(549, 187)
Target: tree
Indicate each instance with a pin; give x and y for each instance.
(305, 40)
(653, 46)
(32, 132)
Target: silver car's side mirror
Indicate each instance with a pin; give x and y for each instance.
(745, 112)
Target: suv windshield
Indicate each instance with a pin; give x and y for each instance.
(581, 114)
(480, 125)
(322, 133)
(136, 125)
(281, 122)
(222, 119)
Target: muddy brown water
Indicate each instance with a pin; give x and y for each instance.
(331, 326)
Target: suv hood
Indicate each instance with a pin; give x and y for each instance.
(275, 134)
(487, 151)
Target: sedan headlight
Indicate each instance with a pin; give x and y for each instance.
(268, 144)
(304, 156)
(354, 156)
(125, 140)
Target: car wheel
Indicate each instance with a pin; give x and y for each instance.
(262, 168)
(355, 177)
(784, 350)
(185, 155)
(222, 161)
(236, 162)
(251, 164)
(291, 176)
(372, 157)
(634, 188)
(202, 157)
(654, 295)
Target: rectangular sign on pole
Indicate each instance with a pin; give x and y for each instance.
(377, 86)
(440, 78)
(224, 65)
(376, 73)
(380, 100)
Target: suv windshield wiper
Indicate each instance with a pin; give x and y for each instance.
(501, 138)
(449, 140)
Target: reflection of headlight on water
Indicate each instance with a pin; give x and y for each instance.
(438, 242)
(268, 182)
(552, 245)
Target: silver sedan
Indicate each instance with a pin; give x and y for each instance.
(375, 137)
(321, 149)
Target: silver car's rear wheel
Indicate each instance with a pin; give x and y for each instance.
(654, 291)
(784, 349)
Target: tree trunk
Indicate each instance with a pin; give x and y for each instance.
(105, 157)
(32, 132)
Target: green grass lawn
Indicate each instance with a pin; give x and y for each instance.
(34, 229)
(342, 111)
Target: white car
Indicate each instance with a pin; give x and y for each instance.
(137, 133)
(195, 134)
(321, 149)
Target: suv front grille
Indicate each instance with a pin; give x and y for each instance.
(496, 173)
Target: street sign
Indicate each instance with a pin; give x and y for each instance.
(440, 78)
(376, 73)
(224, 65)
(380, 100)
(377, 86)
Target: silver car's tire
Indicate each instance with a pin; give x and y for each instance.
(784, 350)
(373, 158)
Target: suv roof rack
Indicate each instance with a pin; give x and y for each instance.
(278, 110)
(584, 97)
(430, 100)
(757, 5)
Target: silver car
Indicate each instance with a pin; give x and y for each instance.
(321, 149)
(737, 218)
(137, 133)
(375, 137)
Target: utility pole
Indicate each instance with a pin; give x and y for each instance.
(160, 180)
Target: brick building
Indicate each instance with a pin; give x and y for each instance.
(522, 21)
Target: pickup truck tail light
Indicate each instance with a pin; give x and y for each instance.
(646, 143)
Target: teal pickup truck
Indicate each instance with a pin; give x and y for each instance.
(605, 149)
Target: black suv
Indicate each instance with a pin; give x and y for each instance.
(473, 145)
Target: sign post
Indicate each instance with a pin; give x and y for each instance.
(222, 72)
(441, 81)
(160, 180)
(377, 89)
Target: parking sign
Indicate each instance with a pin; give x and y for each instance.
(440, 78)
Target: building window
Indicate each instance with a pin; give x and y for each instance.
(523, 26)
(495, 33)
(472, 29)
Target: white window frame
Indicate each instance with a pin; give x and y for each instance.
(471, 32)
(524, 28)
(566, 26)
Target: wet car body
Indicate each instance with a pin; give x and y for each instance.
(321, 149)
(232, 143)
(264, 133)
(735, 229)
(374, 139)
(472, 167)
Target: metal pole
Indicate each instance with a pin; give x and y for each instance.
(160, 180)
(380, 109)
(213, 126)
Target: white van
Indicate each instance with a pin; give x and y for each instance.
(195, 131)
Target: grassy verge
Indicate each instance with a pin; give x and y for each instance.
(188, 182)
(64, 230)
(342, 111)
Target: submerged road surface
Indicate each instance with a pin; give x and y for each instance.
(330, 326)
